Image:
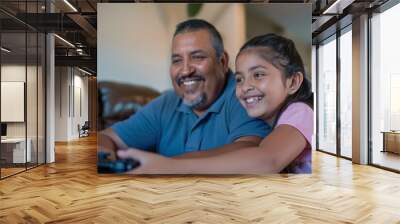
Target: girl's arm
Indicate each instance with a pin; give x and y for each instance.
(243, 142)
(275, 152)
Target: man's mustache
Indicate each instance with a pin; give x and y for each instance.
(180, 79)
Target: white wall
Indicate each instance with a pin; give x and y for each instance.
(69, 82)
(79, 117)
(62, 81)
(134, 40)
(17, 73)
(14, 72)
(33, 126)
(229, 19)
(133, 45)
(289, 20)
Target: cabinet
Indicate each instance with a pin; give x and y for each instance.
(391, 141)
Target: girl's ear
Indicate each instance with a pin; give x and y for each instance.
(294, 82)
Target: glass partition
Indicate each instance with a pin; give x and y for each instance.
(22, 78)
(13, 108)
(346, 93)
(385, 89)
(327, 95)
(31, 97)
(41, 91)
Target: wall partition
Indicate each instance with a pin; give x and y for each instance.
(22, 88)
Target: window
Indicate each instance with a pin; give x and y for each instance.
(327, 96)
(346, 92)
(385, 88)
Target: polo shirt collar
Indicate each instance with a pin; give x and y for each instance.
(183, 108)
(217, 105)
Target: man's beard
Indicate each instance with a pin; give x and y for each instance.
(201, 99)
(198, 102)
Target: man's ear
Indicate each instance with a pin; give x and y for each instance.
(294, 82)
(225, 61)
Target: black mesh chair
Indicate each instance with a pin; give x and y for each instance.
(84, 129)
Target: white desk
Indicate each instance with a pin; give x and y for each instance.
(19, 149)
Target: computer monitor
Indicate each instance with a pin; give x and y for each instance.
(3, 129)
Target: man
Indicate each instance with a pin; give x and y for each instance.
(201, 114)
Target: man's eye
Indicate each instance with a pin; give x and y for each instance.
(258, 75)
(239, 79)
(176, 61)
(199, 57)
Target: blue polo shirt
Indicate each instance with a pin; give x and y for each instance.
(169, 127)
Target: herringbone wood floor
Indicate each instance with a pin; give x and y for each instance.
(70, 191)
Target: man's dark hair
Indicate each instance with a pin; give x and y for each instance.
(199, 24)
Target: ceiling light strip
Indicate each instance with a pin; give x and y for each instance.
(84, 71)
(5, 49)
(70, 5)
(64, 40)
(337, 7)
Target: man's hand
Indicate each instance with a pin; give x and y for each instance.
(111, 152)
(150, 163)
(108, 141)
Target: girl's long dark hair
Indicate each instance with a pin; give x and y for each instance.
(282, 53)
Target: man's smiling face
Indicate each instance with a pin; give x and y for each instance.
(197, 74)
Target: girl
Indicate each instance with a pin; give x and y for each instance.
(271, 85)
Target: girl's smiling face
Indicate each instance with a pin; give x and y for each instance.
(260, 86)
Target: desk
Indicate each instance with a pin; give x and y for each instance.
(391, 141)
(16, 147)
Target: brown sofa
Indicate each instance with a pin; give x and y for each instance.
(118, 101)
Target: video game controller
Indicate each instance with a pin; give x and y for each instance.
(105, 165)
